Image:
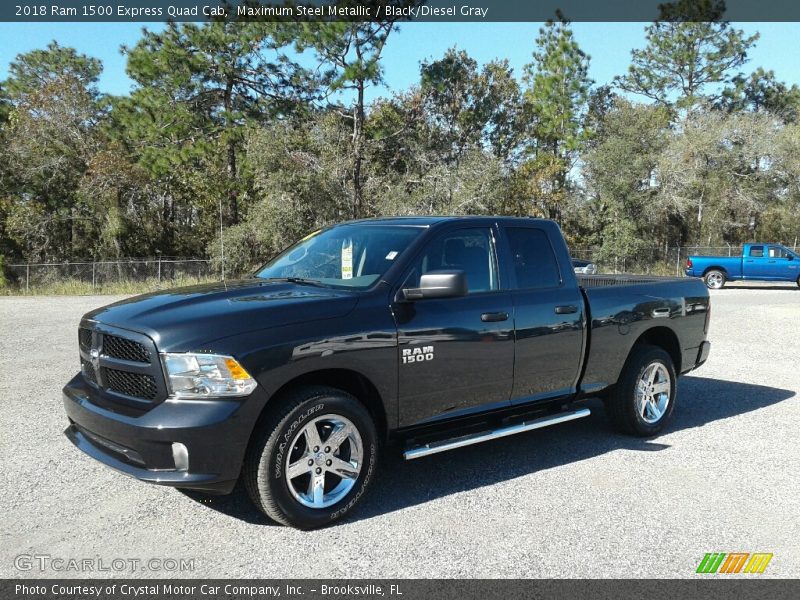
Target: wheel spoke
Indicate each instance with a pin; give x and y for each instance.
(652, 411)
(312, 436)
(298, 468)
(662, 387)
(316, 488)
(643, 403)
(662, 405)
(338, 436)
(342, 468)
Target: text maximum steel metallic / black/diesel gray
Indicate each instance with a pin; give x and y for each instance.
(434, 333)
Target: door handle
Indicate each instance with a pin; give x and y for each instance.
(566, 310)
(494, 317)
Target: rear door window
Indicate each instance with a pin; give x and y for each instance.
(534, 262)
(757, 251)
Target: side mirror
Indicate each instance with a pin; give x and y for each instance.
(438, 284)
(790, 256)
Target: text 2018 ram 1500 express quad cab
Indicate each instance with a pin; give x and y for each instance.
(435, 332)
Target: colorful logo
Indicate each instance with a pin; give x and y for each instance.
(734, 562)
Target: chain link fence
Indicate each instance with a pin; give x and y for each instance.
(169, 271)
(101, 273)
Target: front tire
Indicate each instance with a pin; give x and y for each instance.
(642, 402)
(715, 279)
(310, 463)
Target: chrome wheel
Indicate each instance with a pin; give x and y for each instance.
(715, 280)
(653, 392)
(324, 461)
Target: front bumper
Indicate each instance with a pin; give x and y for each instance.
(214, 432)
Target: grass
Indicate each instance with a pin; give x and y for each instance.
(75, 287)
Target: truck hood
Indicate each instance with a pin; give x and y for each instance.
(183, 319)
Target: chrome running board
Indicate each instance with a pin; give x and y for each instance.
(483, 436)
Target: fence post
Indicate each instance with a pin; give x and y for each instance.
(159, 268)
(678, 262)
(93, 274)
(28, 278)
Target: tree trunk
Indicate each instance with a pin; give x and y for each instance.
(358, 148)
(233, 200)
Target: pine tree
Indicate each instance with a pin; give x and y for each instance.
(690, 55)
(554, 108)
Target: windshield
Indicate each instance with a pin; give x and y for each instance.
(354, 256)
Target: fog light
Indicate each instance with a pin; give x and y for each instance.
(181, 456)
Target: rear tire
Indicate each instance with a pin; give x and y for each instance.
(642, 402)
(715, 279)
(310, 463)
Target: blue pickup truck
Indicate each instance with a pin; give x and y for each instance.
(758, 262)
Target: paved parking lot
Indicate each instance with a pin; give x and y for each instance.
(576, 500)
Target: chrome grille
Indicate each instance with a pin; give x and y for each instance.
(138, 385)
(117, 347)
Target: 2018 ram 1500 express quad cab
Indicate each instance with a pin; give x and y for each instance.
(435, 332)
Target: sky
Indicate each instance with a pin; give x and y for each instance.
(608, 44)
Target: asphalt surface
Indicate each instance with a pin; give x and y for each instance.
(575, 500)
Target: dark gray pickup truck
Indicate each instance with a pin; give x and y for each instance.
(434, 333)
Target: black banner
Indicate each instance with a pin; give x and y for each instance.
(413, 10)
(706, 587)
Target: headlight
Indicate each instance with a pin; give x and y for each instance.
(206, 376)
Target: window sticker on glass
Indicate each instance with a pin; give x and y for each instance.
(392, 255)
(347, 259)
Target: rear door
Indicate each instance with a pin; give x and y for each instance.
(755, 264)
(456, 354)
(548, 315)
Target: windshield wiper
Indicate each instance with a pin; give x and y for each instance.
(300, 280)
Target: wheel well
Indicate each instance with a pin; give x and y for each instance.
(348, 381)
(664, 338)
(715, 269)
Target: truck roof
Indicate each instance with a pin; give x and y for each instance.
(427, 221)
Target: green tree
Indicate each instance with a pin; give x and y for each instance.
(50, 136)
(717, 175)
(554, 108)
(689, 57)
(201, 86)
(622, 175)
(471, 107)
(352, 51)
(32, 71)
(763, 92)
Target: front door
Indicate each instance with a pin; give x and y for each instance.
(456, 354)
(782, 265)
